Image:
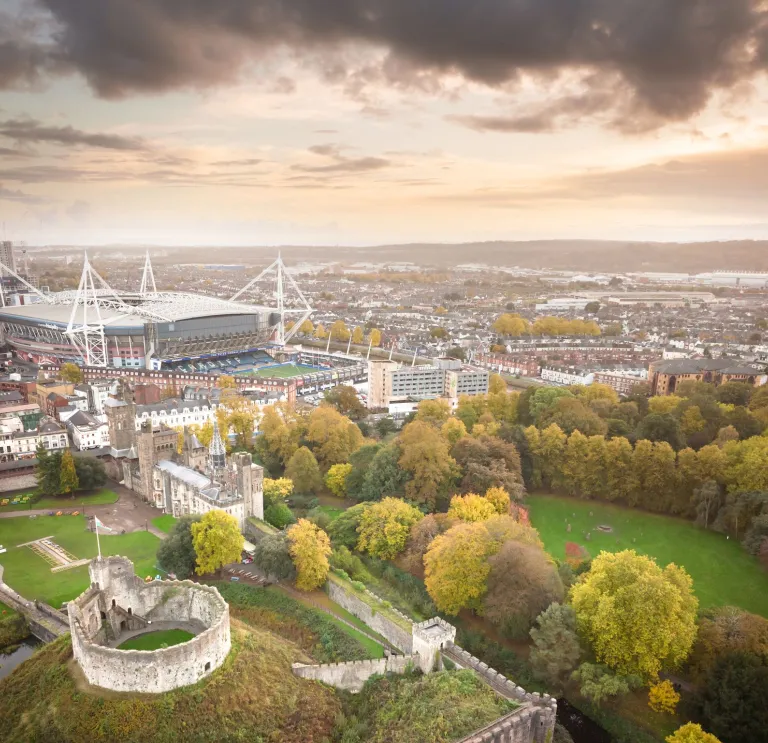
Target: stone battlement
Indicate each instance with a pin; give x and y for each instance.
(352, 675)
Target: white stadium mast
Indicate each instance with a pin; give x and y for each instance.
(304, 310)
(148, 279)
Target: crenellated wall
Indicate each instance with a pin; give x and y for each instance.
(153, 671)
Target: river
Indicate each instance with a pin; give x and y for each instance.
(24, 650)
(582, 728)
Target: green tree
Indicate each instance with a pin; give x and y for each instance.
(734, 393)
(217, 541)
(638, 618)
(384, 476)
(310, 547)
(360, 461)
(273, 556)
(343, 530)
(47, 471)
(661, 427)
(544, 398)
(279, 515)
(176, 552)
(598, 683)
(336, 479)
(304, 471)
(71, 373)
(556, 650)
(68, 482)
(385, 526)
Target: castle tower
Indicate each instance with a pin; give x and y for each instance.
(192, 451)
(146, 460)
(250, 479)
(121, 420)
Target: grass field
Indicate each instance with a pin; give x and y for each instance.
(31, 576)
(155, 640)
(332, 511)
(164, 523)
(723, 573)
(6, 611)
(282, 372)
(97, 498)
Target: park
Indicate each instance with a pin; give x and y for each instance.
(722, 571)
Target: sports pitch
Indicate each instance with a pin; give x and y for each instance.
(284, 371)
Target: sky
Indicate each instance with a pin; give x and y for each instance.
(362, 122)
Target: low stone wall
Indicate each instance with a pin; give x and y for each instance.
(351, 676)
(18, 482)
(44, 622)
(393, 631)
(516, 727)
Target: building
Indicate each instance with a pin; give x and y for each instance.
(97, 392)
(11, 397)
(567, 375)
(666, 376)
(29, 414)
(388, 382)
(45, 388)
(622, 382)
(521, 365)
(147, 394)
(87, 431)
(7, 255)
(51, 434)
(176, 413)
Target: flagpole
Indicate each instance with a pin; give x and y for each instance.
(98, 543)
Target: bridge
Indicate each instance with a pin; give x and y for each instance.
(45, 623)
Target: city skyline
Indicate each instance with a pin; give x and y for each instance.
(267, 123)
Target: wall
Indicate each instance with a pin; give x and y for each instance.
(18, 482)
(392, 631)
(351, 676)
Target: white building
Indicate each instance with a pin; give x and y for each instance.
(176, 413)
(567, 375)
(52, 435)
(87, 431)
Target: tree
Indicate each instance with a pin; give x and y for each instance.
(360, 461)
(523, 581)
(339, 331)
(343, 530)
(496, 385)
(745, 468)
(471, 507)
(68, 482)
(592, 307)
(276, 491)
(453, 430)
(344, 398)
(661, 427)
(70, 372)
(217, 541)
(499, 499)
(279, 515)
(456, 567)
(303, 470)
(707, 500)
(488, 462)
(597, 683)
(333, 437)
(691, 733)
(176, 552)
(374, 337)
(47, 470)
(734, 393)
(663, 404)
(733, 699)
(511, 325)
(385, 526)
(544, 398)
(309, 547)
(662, 697)
(435, 412)
(320, 332)
(421, 536)
(424, 455)
(638, 618)
(384, 476)
(91, 473)
(226, 382)
(307, 328)
(385, 426)
(556, 650)
(336, 479)
(357, 335)
(273, 556)
(570, 414)
(469, 409)
(437, 332)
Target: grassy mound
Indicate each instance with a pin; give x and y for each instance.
(723, 573)
(254, 696)
(154, 640)
(437, 708)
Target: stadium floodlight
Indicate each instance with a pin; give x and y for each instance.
(88, 336)
(4, 269)
(304, 310)
(148, 278)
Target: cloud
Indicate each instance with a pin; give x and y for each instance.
(19, 196)
(236, 163)
(29, 130)
(341, 163)
(669, 55)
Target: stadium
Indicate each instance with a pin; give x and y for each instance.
(97, 326)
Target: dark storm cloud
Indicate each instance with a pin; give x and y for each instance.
(669, 54)
(29, 130)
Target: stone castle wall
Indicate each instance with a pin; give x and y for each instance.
(149, 671)
(389, 629)
(351, 676)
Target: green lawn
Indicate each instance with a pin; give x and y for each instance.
(164, 523)
(6, 611)
(332, 511)
(723, 573)
(282, 372)
(155, 640)
(97, 498)
(31, 576)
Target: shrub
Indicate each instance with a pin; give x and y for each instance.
(662, 697)
(279, 515)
